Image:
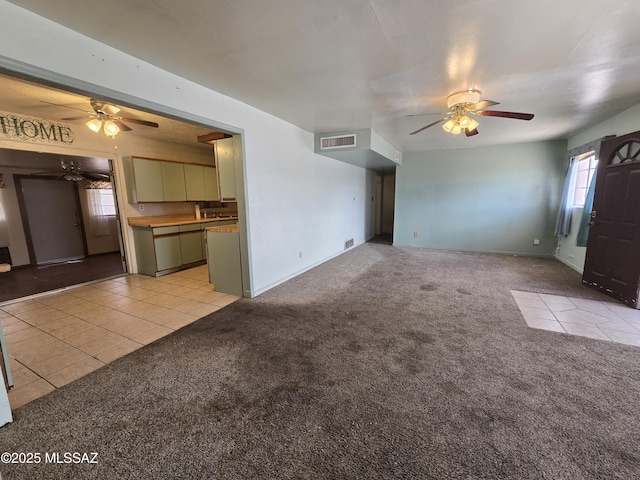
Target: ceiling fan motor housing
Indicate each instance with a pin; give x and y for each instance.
(466, 97)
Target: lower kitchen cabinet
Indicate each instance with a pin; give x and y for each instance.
(163, 250)
(191, 244)
(223, 258)
(204, 226)
(168, 252)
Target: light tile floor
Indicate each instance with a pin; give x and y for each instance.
(57, 338)
(608, 321)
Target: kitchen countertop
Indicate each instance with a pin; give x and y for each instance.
(171, 220)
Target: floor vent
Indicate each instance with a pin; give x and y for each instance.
(348, 244)
(338, 141)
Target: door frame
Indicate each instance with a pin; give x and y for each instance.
(114, 190)
(24, 217)
(608, 150)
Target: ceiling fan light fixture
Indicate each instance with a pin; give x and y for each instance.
(94, 125)
(73, 177)
(110, 128)
(464, 121)
(472, 124)
(448, 126)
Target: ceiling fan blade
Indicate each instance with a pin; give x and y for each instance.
(140, 122)
(514, 115)
(74, 118)
(96, 176)
(121, 125)
(430, 125)
(66, 106)
(470, 133)
(425, 114)
(481, 105)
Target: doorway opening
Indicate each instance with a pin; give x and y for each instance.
(62, 232)
(384, 208)
(42, 95)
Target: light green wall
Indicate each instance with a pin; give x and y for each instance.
(485, 199)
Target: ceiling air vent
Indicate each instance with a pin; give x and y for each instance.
(338, 141)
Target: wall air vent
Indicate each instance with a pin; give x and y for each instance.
(338, 141)
(348, 244)
(369, 150)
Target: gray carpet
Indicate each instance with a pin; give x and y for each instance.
(382, 363)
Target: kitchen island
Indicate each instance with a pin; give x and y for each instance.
(168, 243)
(223, 258)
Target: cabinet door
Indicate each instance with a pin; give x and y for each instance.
(211, 191)
(173, 182)
(168, 252)
(226, 169)
(225, 270)
(194, 180)
(191, 247)
(148, 180)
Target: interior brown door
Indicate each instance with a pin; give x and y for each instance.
(612, 263)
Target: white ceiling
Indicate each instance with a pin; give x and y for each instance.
(329, 65)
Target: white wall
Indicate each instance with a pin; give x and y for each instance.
(625, 122)
(296, 201)
(302, 206)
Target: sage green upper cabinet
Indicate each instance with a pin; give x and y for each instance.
(211, 190)
(201, 182)
(150, 180)
(173, 182)
(144, 180)
(226, 169)
(194, 180)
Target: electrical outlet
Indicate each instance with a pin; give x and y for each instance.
(186, 205)
(141, 206)
(536, 241)
(300, 255)
(415, 234)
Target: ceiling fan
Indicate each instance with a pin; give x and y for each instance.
(105, 117)
(463, 106)
(71, 171)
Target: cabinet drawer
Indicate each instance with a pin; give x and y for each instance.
(192, 227)
(165, 230)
